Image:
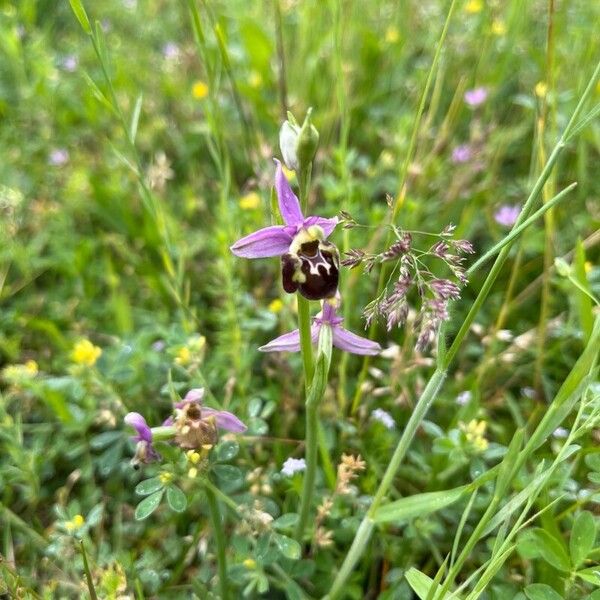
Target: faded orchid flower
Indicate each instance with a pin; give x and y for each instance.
(144, 450)
(310, 264)
(476, 96)
(196, 426)
(507, 215)
(342, 338)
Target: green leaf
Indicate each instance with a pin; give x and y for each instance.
(287, 546)
(176, 499)
(591, 575)
(135, 117)
(227, 450)
(584, 301)
(227, 472)
(148, 486)
(286, 521)
(148, 505)
(541, 591)
(422, 584)
(418, 505)
(583, 536)
(551, 550)
(102, 440)
(81, 15)
(593, 461)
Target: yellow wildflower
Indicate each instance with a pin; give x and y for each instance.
(387, 158)
(255, 79)
(192, 473)
(475, 433)
(199, 90)
(250, 201)
(541, 89)
(473, 6)
(31, 367)
(498, 27)
(193, 457)
(183, 356)
(588, 266)
(249, 563)
(276, 306)
(75, 523)
(392, 35)
(165, 477)
(85, 353)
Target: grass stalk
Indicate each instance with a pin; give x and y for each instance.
(217, 525)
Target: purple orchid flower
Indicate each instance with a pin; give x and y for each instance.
(342, 338)
(276, 240)
(144, 451)
(223, 419)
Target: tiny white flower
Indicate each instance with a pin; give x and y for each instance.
(464, 398)
(384, 418)
(293, 465)
(528, 392)
(560, 433)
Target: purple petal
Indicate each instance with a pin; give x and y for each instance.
(289, 207)
(138, 422)
(195, 395)
(225, 420)
(270, 241)
(168, 422)
(290, 342)
(350, 342)
(327, 225)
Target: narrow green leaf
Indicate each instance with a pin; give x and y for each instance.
(148, 505)
(148, 486)
(508, 464)
(176, 499)
(422, 584)
(418, 505)
(98, 93)
(583, 536)
(541, 591)
(584, 301)
(551, 550)
(79, 11)
(135, 117)
(287, 546)
(88, 574)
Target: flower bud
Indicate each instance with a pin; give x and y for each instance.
(288, 143)
(308, 142)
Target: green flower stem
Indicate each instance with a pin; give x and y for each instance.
(215, 517)
(430, 392)
(305, 339)
(314, 396)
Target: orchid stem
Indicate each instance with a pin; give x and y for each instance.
(215, 517)
(313, 399)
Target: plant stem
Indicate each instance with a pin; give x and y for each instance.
(215, 517)
(430, 392)
(314, 396)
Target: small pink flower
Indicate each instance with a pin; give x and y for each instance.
(476, 96)
(462, 154)
(507, 215)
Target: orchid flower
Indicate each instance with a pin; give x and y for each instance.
(196, 425)
(144, 451)
(310, 264)
(342, 338)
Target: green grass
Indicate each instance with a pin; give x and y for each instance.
(108, 242)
